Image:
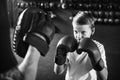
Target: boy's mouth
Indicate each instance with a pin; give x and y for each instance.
(78, 40)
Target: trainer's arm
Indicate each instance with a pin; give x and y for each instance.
(29, 64)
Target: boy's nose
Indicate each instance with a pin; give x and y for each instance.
(79, 36)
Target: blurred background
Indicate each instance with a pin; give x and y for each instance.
(106, 13)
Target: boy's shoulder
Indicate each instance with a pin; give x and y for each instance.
(100, 45)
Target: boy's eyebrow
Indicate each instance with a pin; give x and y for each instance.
(74, 29)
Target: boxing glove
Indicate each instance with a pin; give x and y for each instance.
(34, 27)
(87, 45)
(66, 44)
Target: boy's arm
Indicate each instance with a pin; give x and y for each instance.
(97, 56)
(59, 69)
(65, 45)
(103, 74)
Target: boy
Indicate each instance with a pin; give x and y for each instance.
(79, 65)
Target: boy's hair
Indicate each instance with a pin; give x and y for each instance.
(83, 18)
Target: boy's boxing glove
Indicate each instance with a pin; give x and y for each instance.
(91, 48)
(65, 45)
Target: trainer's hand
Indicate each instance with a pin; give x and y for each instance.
(34, 27)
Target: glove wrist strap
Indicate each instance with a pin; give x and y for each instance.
(100, 65)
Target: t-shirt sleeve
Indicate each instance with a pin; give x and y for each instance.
(102, 51)
(103, 55)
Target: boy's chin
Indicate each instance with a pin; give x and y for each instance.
(78, 41)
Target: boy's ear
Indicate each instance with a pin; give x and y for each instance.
(93, 30)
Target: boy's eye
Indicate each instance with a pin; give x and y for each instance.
(75, 31)
(83, 32)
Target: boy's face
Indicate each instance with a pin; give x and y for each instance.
(82, 31)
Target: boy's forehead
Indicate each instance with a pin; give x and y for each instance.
(81, 27)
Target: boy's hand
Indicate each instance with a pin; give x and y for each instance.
(87, 45)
